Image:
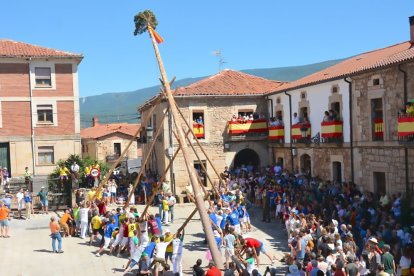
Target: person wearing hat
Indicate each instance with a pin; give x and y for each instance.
(4, 220)
(293, 270)
(42, 194)
(374, 258)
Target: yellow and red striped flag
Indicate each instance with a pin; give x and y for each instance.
(156, 36)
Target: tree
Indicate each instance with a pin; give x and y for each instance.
(142, 20)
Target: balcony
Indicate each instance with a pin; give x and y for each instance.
(247, 130)
(112, 158)
(298, 136)
(378, 129)
(277, 134)
(332, 132)
(405, 129)
(198, 130)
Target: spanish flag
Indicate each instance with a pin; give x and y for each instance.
(156, 36)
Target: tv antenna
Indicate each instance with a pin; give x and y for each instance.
(220, 59)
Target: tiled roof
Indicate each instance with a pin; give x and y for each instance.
(101, 130)
(367, 61)
(229, 82)
(10, 48)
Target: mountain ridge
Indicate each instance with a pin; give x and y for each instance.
(114, 107)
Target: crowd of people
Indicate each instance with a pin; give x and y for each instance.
(333, 228)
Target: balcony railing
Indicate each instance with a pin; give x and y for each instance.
(198, 130)
(406, 128)
(246, 127)
(297, 133)
(112, 157)
(332, 132)
(378, 129)
(277, 134)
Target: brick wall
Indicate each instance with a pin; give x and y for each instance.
(64, 83)
(16, 119)
(66, 123)
(14, 80)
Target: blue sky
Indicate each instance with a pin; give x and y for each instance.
(250, 34)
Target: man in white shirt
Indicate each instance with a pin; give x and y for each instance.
(83, 217)
(20, 202)
(295, 119)
(178, 253)
(171, 202)
(159, 255)
(74, 169)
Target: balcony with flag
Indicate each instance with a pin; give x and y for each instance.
(405, 128)
(378, 129)
(277, 134)
(332, 132)
(247, 129)
(198, 130)
(301, 133)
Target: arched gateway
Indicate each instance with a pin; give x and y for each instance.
(247, 157)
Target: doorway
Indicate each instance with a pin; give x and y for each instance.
(201, 173)
(306, 164)
(380, 186)
(247, 157)
(5, 156)
(337, 172)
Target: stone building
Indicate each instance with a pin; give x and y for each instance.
(208, 107)
(39, 107)
(105, 142)
(369, 92)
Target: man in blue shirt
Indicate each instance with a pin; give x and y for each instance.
(233, 220)
(108, 229)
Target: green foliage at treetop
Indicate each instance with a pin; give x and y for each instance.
(142, 20)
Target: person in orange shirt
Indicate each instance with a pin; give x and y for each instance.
(64, 223)
(55, 235)
(4, 220)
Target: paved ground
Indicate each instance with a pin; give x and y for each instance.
(28, 251)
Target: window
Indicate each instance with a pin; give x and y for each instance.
(375, 82)
(377, 120)
(45, 113)
(304, 114)
(117, 149)
(278, 100)
(43, 77)
(336, 107)
(303, 95)
(154, 122)
(199, 124)
(246, 113)
(335, 89)
(45, 155)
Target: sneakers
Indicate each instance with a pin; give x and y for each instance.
(60, 251)
(98, 255)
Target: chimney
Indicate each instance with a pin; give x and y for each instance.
(411, 18)
(95, 121)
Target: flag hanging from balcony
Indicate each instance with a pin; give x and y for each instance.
(156, 36)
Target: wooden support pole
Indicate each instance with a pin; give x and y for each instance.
(201, 147)
(125, 151)
(187, 220)
(215, 253)
(202, 165)
(143, 164)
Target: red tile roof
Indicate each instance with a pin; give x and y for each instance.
(99, 130)
(10, 48)
(364, 62)
(229, 82)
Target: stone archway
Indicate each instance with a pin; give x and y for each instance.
(247, 157)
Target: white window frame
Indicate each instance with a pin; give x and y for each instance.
(39, 102)
(42, 64)
(45, 149)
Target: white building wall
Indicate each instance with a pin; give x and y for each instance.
(318, 97)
